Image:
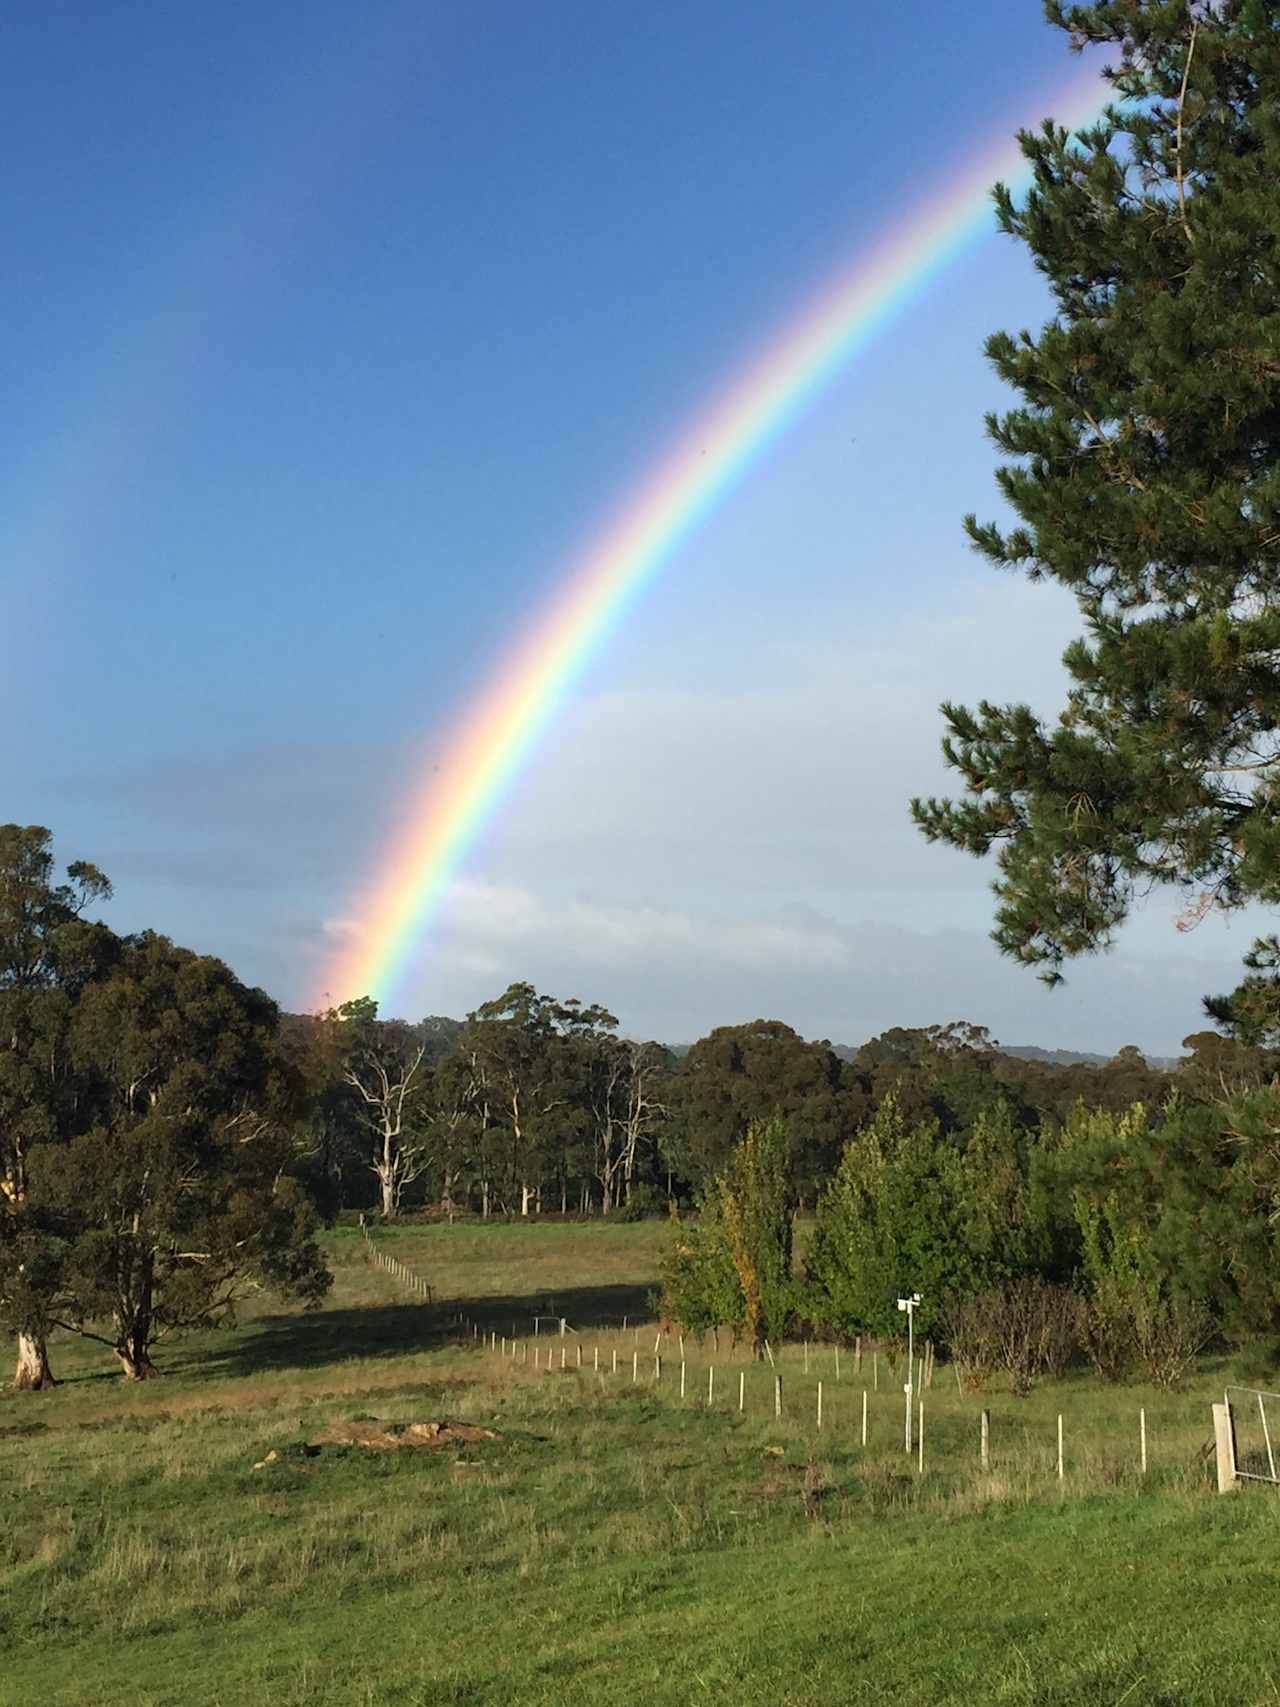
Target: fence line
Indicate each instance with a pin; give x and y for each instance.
(374, 1253)
(469, 1330)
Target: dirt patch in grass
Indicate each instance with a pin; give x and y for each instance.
(375, 1437)
(380, 1439)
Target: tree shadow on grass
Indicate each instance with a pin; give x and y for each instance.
(309, 1339)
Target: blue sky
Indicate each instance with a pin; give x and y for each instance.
(332, 332)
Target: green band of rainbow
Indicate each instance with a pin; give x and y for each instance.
(504, 723)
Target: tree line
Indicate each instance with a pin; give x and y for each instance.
(532, 1105)
(171, 1141)
(1132, 1238)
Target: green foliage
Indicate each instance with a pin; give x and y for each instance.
(911, 1209)
(756, 1203)
(1178, 1227)
(47, 955)
(700, 1288)
(1251, 1013)
(1146, 480)
(738, 1074)
(170, 1195)
(643, 1203)
(733, 1267)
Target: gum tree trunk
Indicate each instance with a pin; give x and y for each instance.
(134, 1325)
(135, 1362)
(33, 1374)
(133, 1349)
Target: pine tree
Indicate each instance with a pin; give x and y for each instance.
(1146, 480)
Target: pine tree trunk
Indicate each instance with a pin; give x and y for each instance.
(33, 1374)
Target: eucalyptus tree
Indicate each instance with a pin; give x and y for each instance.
(530, 1053)
(738, 1074)
(384, 1068)
(627, 1087)
(47, 952)
(171, 1196)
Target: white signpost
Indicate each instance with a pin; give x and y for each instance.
(909, 1306)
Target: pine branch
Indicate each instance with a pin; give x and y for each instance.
(1182, 97)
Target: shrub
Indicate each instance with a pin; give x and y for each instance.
(966, 1326)
(643, 1203)
(732, 1267)
(1027, 1327)
(1169, 1337)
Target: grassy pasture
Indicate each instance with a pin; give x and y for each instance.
(612, 1544)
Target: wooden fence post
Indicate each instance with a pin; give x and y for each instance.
(1142, 1437)
(1059, 1445)
(920, 1468)
(742, 1389)
(1224, 1440)
(819, 1407)
(986, 1440)
(777, 1395)
(864, 1416)
(711, 1385)
(682, 1377)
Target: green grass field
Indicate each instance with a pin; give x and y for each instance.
(611, 1544)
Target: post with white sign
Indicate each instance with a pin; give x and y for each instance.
(908, 1306)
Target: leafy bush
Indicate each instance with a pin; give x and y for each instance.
(643, 1204)
(913, 1208)
(700, 1287)
(732, 1267)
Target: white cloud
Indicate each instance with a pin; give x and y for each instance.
(674, 973)
(343, 930)
(617, 935)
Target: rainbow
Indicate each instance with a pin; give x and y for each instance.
(505, 721)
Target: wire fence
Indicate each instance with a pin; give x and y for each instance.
(1255, 1415)
(409, 1278)
(546, 1342)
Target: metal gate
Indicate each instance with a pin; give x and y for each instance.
(1255, 1416)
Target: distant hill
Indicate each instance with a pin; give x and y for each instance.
(1033, 1052)
(1077, 1058)
(1056, 1057)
